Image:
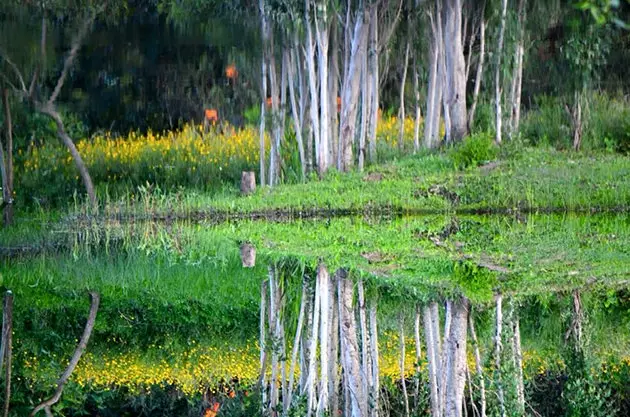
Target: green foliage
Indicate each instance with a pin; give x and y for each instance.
(606, 124)
(475, 150)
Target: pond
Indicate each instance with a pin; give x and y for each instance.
(492, 312)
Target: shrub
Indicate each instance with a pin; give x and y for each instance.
(475, 150)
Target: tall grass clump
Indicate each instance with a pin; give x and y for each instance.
(186, 157)
(606, 123)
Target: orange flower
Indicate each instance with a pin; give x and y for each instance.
(212, 411)
(231, 72)
(212, 115)
(231, 394)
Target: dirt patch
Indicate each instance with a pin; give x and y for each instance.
(376, 257)
(373, 177)
(439, 190)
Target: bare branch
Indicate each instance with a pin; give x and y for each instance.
(4, 56)
(87, 332)
(76, 44)
(392, 28)
(42, 64)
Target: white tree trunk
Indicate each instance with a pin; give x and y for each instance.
(403, 382)
(479, 75)
(365, 102)
(518, 361)
(373, 80)
(321, 28)
(365, 346)
(350, 92)
(312, 84)
(374, 376)
(312, 361)
(432, 117)
(455, 69)
(478, 366)
(263, 105)
(418, 118)
(296, 347)
(517, 74)
(456, 358)
(323, 279)
(350, 352)
(497, 75)
(403, 81)
(432, 355)
(416, 334)
(263, 347)
(498, 343)
(290, 58)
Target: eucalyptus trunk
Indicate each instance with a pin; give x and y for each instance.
(478, 366)
(322, 33)
(498, 344)
(350, 92)
(517, 75)
(456, 366)
(373, 80)
(479, 75)
(497, 75)
(455, 69)
(403, 81)
(350, 349)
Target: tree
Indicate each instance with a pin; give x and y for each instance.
(33, 94)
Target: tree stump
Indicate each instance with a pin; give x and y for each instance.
(248, 182)
(248, 255)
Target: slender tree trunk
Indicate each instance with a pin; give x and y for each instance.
(432, 360)
(87, 332)
(321, 27)
(455, 69)
(373, 340)
(365, 101)
(333, 128)
(294, 111)
(296, 346)
(432, 119)
(312, 372)
(365, 353)
(333, 358)
(478, 366)
(456, 358)
(418, 358)
(403, 382)
(418, 118)
(403, 81)
(373, 80)
(518, 361)
(274, 154)
(479, 76)
(517, 75)
(273, 331)
(6, 162)
(443, 74)
(312, 84)
(350, 92)
(351, 357)
(49, 111)
(497, 353)
(263, 347)
(6, 351)
(263, 105)
(497, 75)
(324, 294)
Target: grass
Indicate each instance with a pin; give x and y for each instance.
(529, 179)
